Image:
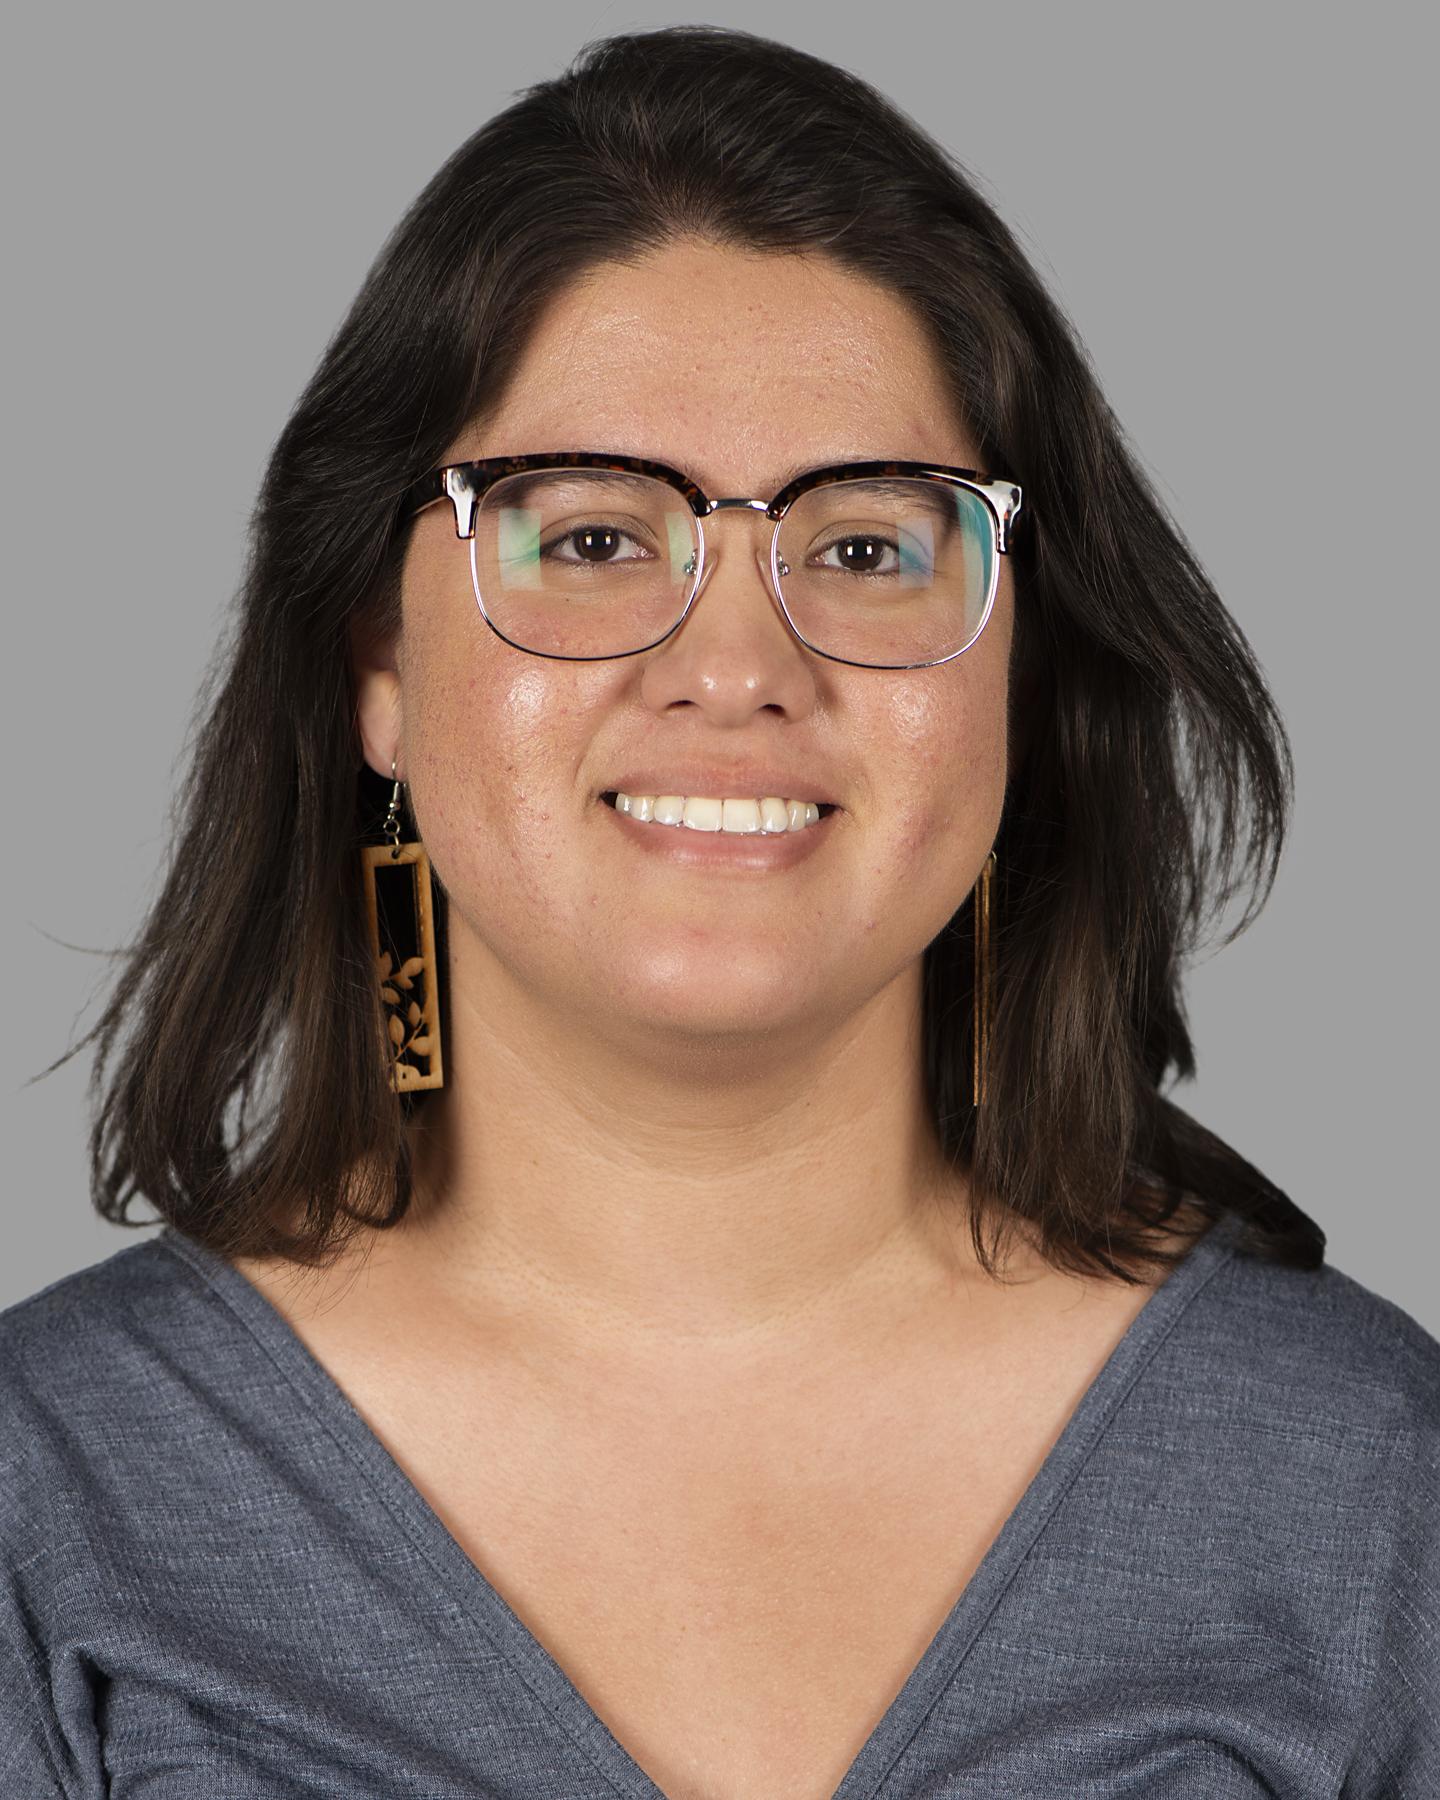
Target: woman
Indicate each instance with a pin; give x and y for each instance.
(678, 1277)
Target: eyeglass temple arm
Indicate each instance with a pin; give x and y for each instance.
(451, 484)
(1004, 496)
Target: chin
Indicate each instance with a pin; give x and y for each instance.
(710, 998)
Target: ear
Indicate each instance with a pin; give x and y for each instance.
(378, 715)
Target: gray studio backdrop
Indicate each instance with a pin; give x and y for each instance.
(1233, 206)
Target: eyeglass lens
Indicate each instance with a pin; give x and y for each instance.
(595, 563)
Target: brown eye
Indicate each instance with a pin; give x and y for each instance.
(858, 554)
(597, 545)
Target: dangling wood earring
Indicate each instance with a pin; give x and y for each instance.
(401, 915)
(981, 1039)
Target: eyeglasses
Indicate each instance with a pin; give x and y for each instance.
(583, 557)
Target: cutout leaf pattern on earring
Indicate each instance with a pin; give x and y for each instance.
(409, 1022)
(403, 948)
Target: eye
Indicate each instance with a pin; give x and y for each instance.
(593, 542)
(860, 553)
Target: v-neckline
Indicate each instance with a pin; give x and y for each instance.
(572, 1713)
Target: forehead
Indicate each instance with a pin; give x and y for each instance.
(735, 365)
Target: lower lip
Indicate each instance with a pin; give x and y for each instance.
(739, 850)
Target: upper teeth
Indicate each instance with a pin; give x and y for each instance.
(702, 814)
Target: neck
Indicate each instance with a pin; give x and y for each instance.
(652, 1190)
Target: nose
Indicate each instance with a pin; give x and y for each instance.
(737, 655)
(763, 539)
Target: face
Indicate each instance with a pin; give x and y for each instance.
(736, 368)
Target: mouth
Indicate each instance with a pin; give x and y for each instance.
(825, 807)
(770, 847)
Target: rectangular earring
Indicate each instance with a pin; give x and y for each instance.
(980, 1041)
(399, 908)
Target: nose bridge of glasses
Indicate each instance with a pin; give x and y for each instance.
(733, 503)
(715, 506)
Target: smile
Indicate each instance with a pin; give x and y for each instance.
(770, 816)
(710, 843)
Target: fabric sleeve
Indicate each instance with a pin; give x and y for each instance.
(1398, 1757)
(50, 1746)
(32, 1741)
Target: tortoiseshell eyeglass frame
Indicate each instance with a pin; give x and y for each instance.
(465, 484)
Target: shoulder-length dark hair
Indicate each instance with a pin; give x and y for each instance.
(1150, 776)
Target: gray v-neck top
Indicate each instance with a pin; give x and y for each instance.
(218, 1584)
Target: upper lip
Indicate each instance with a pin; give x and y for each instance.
(753, 780)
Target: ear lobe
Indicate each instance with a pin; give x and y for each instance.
(378, 716)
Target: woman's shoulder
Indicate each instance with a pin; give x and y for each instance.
(74, 1326)
(1322, 1402)
(93, 1369)
(1318, 1339)
(1297, 1412)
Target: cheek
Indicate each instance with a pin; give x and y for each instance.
(487, 736)
(947, 739)
(939, 817)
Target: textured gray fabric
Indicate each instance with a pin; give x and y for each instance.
(218, 1585)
